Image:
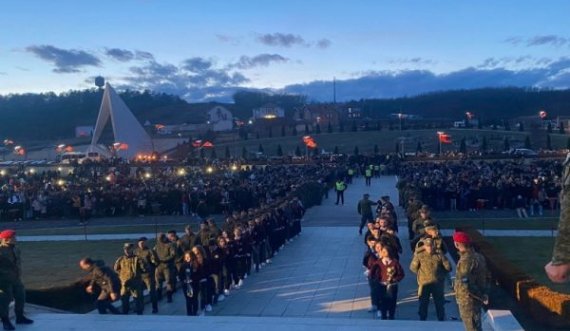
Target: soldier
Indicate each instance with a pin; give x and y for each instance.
(558, 270)
(149, 259)
(188, 240)
(11, 286)
(419, 224)
(130, 269)
(165, 253)
(365, 211)
(432, 232)
(107, 282)
(470, 282)
(340, 187)
(412, 208)
(431, 267)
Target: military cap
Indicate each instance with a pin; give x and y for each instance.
(127, 245)
(143, 239)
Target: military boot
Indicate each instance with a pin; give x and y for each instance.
(7, 324)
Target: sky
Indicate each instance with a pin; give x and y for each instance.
(206, 50)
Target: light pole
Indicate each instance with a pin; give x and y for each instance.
(439, 134)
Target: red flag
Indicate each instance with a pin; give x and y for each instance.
(309, 142)
(543, 115)
(444, 138)
(120, 146)
(207, 144)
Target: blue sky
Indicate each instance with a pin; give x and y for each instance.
(204, 50)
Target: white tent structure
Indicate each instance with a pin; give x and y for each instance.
(127, 130)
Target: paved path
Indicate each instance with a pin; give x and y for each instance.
(319, 274)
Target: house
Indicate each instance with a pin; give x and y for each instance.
(220, 119)
(268, 111)
(321, 114)
(351, 113)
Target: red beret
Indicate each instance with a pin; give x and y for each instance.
(7, 234)
(461, 237)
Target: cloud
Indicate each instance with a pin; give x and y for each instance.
(324, 43)
(261, 60)
(281, 39)
(197, 64)
(195, 79)
(413, 61)
(391, 84)
(142, 55)
(118, 54)
(65, 60)
(540, 40)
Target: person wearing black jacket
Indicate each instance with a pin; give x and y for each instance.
(239, 250)
(106, 280)
(201, 277)
(189, 286)
(217, 258)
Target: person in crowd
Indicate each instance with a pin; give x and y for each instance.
(470, 282)
(340, 187)
(371, 255)
(149, 259)
(104, 280)
(189, 286)
(431, 268)
(166, 256)
(130, 269)
(202, 279)
(387, 272)
(11, 286)
(364, 209)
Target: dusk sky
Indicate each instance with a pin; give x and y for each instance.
(205, 50)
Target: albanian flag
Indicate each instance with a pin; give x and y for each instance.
(543, 115)
(309, 142)
(445, 138)
(207, 144)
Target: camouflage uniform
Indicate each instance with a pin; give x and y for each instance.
(431, 270)
(11, 286)
(148, 258)
(561, 252)
(471, 288)
(165, 253)
(130, 269)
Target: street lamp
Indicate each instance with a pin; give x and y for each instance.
(400, 116)
(209, 170)
(439, 134)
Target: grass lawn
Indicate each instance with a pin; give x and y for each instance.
(530, 254)
(47, 264)
(79, 230)
(365, 140)
(501, 223)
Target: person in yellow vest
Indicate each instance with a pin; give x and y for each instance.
(340, 187)
(368, 176)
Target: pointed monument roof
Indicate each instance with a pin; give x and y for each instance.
(126, 128)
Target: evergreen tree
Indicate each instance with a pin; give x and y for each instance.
(521, 126)
(316, 151)
(297, 151)
(283, 131)
(507, 125)
(202, 153)
(484, 144)
(548, 143)
(260, 149)
(214, 155)
(376, 149)
(244, 153)
(294, 131)
(329, 128)
(354, 127)
(341, 126)
(561, 128)
(479, 124)
(527, 142)
(398, 146)
(336, 148)
(279, 150)
(307, 131)
(356, 151)
(463, 146)
(228, 154)
(419, 147)
(318, 129)
(506, 144)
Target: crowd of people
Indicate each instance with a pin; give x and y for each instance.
(94, 191)
(527, 187)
